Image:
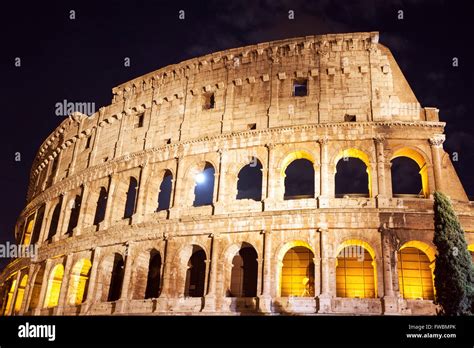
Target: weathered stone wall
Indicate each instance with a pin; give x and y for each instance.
(255, 115)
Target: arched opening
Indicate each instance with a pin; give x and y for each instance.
(409, 173)
(355, 272)
(406, 178)
(243, 279)
(53, 226)
(38, 224)
(415, 277)
(164, 197)
(131, 199)
(204, 187)
(74, 216)
(54, 286)
(28, 230)
(297, 273)
(352, 175)
(36, 293)
(249, 181)
(196, 273)
(11, 284)
(20, 293)
(116, 279)
(100, 206)
(153, 284)
(79, 282)
(299, 179)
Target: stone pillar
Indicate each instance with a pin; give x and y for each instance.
(62, 301)
(11, 310)
(83, 212)
(91, 287)
(44, 286)
(177, 189)
(273, 179)
(166, 277)
(436, 144)
(28, 290)
(210, 298)
(124, 295)
(324, 191)
(265, 300)
(382, 196)
(142, 193)
(324, 299)
(62, 214)
(42, 231)
(110, 204)
(75, 150)
(389, 300)
(219, 187)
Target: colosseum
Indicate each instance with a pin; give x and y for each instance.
(189, 193)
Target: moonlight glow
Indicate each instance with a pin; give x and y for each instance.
(200, 178)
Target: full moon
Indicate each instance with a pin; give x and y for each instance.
(200, 178)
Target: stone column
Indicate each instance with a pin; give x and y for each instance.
(11, 310)
(219, 187)
(177, 194)
(44, 286)
(210, 298)
(272, 179)
(142, 193)
(28, 290)
(265, 300)
(75, 150)
(62, 214)
(436, 144)
(91, 287)
(166, 277)
(110, 204)
(124, 295)
(382, 197)
(324, 191)
(45, 223)
(83, 212)
(62, 301)
(324, 299)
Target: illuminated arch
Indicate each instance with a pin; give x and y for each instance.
(356, 153)
(28, 231)
(54, 286)
(79, 282)
(296, 270)
(20, 293)
(295, 155)
(356, 270)
(10, 294)
(415, 270)
(420, 159)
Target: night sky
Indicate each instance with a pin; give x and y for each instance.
(81, 60)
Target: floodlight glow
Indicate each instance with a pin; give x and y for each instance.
(200, 178)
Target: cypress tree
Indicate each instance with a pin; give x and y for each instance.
(454, 272)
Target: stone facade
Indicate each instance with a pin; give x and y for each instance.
(222, 110)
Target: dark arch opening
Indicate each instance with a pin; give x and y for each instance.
(38, 224)
(164, 197)
(116, 280)
(153, 284)
(249, 183)
(299, 179)
(74, 216)
(351, 178)
(196, 274)
(53, 227)
(204, 188)
(101, 206)
(243, 279)
(131, 200)
(406, 177)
